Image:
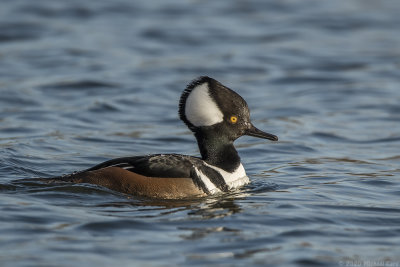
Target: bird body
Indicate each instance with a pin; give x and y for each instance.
(217, 116)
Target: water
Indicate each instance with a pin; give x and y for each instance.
(86, 81)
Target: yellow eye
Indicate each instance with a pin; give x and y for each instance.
(233, 119)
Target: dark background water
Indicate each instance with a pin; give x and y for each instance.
(85, 81)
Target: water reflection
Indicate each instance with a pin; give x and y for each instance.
(200, 233)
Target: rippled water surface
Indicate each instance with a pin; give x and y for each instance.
(86, 81)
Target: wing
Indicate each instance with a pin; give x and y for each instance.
(160, 165)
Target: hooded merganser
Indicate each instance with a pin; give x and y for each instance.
(217, 116)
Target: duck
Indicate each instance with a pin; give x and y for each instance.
(217, 116)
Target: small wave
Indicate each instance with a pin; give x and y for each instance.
(103, 107)
(79, 85)
(118, 225)
(331, 137)
(66, 11)
(341, 66)
(308, 79)
(20, 31)
(383, 140)
(337, 138)
(7, 188)
(396, 157)
(260, 186)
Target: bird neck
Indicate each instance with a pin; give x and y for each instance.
(217, 150)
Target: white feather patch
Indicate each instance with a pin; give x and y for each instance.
(235, 179)
(207, 182)
(200, 108)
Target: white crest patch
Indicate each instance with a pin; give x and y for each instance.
(201, 109)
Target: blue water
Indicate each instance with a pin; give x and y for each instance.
(82, 82)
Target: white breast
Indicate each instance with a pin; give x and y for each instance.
(234, 180)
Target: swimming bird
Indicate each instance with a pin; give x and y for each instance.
(217, 116)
